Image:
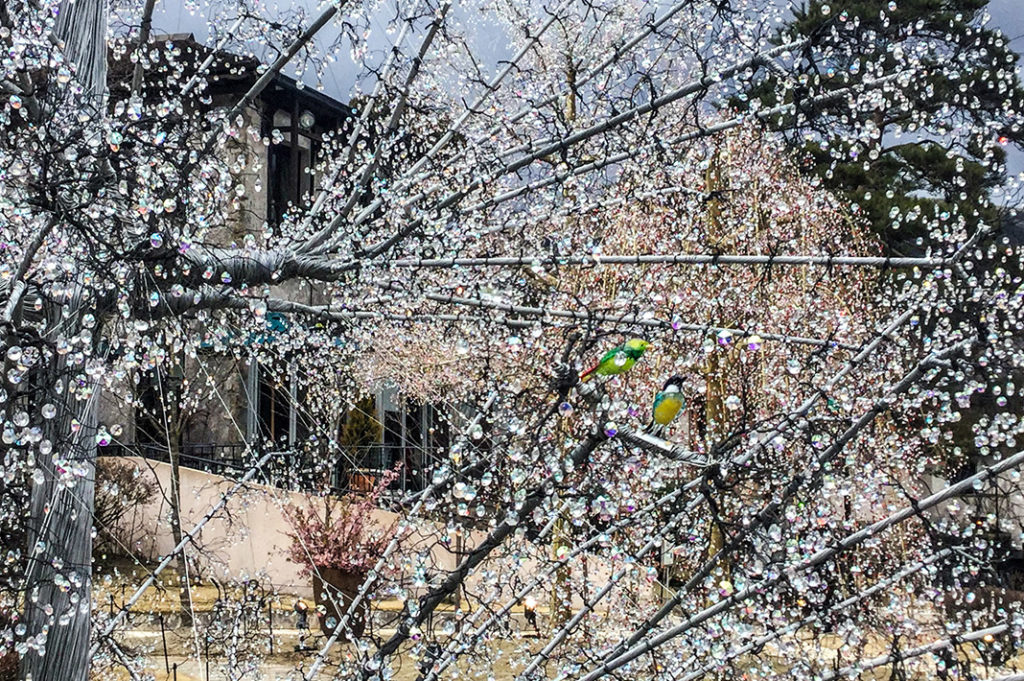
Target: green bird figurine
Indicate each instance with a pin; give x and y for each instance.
(618, 360)
(667, 405)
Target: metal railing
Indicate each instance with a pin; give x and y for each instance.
(230, 460)
(415, 465)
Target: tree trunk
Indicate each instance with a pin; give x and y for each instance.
(561, 592)
(58, 602)
(715, 418)
(718, 366)
(174, 442)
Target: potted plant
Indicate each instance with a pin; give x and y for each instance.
(337, 543)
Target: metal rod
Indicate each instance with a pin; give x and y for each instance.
(585, 315)
(673, 259)
(270, 624)
(824, 555)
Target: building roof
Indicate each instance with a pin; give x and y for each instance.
(174, 57)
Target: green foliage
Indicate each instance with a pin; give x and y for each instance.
(359, 428)
(930, 146)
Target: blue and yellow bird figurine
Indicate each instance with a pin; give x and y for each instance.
(618, 360)
(667, 405)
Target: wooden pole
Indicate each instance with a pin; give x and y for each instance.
(719, 361)
(561, 592)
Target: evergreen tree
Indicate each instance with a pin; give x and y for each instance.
(925, 151)
(359, 429)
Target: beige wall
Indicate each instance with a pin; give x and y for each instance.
(250, 538)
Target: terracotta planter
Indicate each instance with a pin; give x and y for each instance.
(335, 590)
(362, 482)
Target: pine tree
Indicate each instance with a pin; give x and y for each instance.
(925, 152)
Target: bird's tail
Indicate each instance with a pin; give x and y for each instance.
(655, 429)
(585, 376)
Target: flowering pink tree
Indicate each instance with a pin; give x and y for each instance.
(340, 532)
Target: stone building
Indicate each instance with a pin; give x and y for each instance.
(244, 405)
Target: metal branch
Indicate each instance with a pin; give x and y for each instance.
(18, 285)
(661, 445)
(672, 259)
(769, 511)
(191, 300)
(449, 135)
(588, 606)
(144, 29)
(360, 125)
(629, 115)
(263, 267)
(457, 197)
(543, 576)
(941, 644)
(670, 450)
(195, 77)
(421, 498)
(761, 641)
(299, 43)
(821, 556)
(632, 320)
(615, 159)
(613, 58)
(495, 538)
(264, 80)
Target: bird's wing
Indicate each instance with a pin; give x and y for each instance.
(605, 358)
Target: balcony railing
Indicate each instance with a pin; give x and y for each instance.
(358, 469)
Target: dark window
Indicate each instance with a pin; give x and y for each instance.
(149, 422)
(289, 175)
(392, 438)
(272, 418)
(280, 182)
(275, 411)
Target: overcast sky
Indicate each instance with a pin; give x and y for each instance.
(1008, 16)
(174, 16)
